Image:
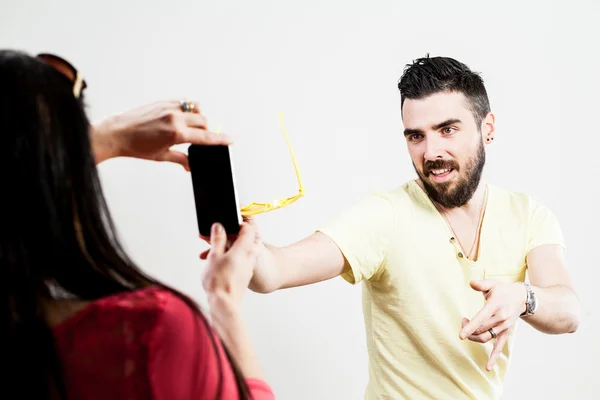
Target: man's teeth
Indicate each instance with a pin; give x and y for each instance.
(440, 171)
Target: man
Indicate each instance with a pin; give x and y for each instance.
(443, 258)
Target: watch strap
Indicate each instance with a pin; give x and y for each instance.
(530, 305)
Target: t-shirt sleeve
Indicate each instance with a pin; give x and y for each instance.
(543, 228)
(363, 233)
(259, 389)
(185, 362)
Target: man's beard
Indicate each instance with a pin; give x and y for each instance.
(464, 187)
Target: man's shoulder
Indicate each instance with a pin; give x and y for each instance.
(517, 202)
(402, 193)
(520, 211)
(382, 204)
(407, 197)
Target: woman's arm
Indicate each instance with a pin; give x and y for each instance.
(188, 361)
(226, 279)
(148, 132)
(231, 327)
(103, 135)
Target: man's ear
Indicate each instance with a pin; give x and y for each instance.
(488, 128)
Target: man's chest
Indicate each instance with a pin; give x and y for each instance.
(428, 268)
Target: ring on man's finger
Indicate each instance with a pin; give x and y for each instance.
(187, 106)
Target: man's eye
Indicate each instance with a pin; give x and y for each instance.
(448, 130)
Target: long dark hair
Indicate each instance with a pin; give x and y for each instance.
(55, 225)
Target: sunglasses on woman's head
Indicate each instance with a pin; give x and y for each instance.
(67, 69)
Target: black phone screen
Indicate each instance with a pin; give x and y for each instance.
(214, 188)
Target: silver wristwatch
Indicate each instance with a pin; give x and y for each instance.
(531, 302)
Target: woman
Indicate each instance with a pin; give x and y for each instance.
(80, 319)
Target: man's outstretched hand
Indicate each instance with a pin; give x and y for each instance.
(504, 304)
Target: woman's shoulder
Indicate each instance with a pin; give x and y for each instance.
(143, 307)
(148, 299)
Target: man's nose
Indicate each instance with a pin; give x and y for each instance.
(433, 149)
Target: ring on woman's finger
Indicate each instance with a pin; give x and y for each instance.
(187, 106)
(491, 331)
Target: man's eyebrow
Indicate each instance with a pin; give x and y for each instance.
(446, 123)
(408, 132)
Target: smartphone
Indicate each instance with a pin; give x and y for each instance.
(215, 194)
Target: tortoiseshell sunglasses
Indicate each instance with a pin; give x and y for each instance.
(67, 69)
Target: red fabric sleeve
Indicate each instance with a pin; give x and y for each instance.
(184, 363)
(260, 390)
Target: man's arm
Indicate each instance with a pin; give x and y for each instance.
(558, 306)
(353, 244)
(559, 309)
(314, 259)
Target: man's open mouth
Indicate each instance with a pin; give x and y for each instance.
(440, 173)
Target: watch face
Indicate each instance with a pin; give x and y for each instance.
(532, 303)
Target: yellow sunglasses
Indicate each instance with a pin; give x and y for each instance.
(255, 208)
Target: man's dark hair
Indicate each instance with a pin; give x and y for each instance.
(430, 75)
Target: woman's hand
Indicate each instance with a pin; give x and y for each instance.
(149, 131)
(230, 269)
(266, 276)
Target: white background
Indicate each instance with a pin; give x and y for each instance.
(332, 67)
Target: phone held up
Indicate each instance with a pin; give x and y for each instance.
(215, 194)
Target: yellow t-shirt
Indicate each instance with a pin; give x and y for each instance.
(416, 288)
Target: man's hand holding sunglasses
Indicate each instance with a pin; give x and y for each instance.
(149, 131)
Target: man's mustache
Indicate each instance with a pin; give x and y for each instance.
(439, 164)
